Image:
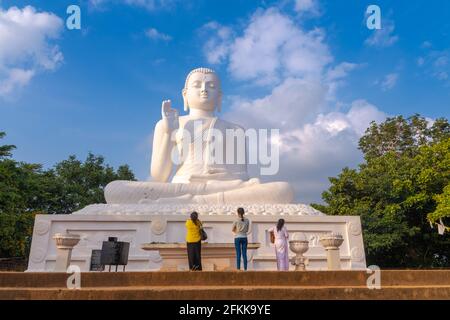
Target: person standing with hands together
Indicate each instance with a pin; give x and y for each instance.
(280, 237)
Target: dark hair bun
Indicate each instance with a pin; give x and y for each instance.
(194, 216)
(241, 212)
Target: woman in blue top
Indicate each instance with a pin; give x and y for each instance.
(241, 228)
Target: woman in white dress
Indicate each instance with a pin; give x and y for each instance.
(281, 245)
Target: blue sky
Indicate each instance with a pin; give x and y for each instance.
(313, 70)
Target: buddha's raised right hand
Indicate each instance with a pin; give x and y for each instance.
(169, 116)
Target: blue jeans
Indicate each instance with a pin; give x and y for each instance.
(241, 250)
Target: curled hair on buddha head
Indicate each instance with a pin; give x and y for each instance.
(194, 216)
(241, 213)
(204, 71)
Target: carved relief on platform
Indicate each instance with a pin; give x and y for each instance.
(173, 209)
(314, 239)
(158, 226)
(257, 210)
(357, 254)
(204, 209)
(274, 210)
(292, 210)
(354, 228)
(42, 227)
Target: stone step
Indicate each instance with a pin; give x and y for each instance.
(227, 278)
(228, 293)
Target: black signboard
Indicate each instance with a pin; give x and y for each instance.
(114, 252)
(96, 264)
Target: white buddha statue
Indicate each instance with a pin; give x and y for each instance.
(196, 182)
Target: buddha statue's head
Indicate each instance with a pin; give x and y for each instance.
(202, 90)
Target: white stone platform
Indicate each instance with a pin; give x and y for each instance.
(144, 223)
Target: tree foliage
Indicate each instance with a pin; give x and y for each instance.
(402, 186)
(27, 189)
(5, 150)
(402, 136)
(443, 206)
(77, 184)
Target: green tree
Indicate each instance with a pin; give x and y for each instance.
(443, 206)
(19, 187)
(77, 184)
(402, 182)
(402, 136)
(27, 189)
(5, 150)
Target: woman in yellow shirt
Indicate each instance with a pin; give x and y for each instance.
(194, 242)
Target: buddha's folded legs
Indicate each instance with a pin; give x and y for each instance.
(267, 193)
(135, 191)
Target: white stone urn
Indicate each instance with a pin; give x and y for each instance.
(64, 244)
(66, 240)
(331, 242)
(299, 245)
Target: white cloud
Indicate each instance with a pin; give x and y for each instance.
(291, 104)
(217, 48)
(321, 148)
(340, 71)
(383, 37)
(426, 44)
(420, 61)
(315, 143)
(335, 76)
(361, 114)
(154, 34)
(150, 5)
(268, 57)
(307, 6)
(441, 61)
(442, 75)
(26, 46)
(436, 63)
(14, 78)
(389, 81)
(316, 140)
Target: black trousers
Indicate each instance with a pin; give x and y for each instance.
(194, 251)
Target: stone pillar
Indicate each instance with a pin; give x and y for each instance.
(64, 244)
(331, 242)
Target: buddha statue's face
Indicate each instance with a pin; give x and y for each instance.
(202, 91)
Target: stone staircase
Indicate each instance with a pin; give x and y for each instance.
(233, 285)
